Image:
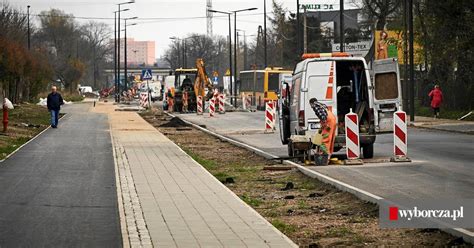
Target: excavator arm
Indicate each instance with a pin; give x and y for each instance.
(202, 81)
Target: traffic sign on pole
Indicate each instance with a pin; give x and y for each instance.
(146, 74)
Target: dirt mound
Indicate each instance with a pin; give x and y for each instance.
(175, 122)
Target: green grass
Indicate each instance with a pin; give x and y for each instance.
(339, 232)
(17, 134)
(208, 164)
(283, 227)
(254, 202)
(12, 146)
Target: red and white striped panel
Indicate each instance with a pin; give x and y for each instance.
(144, 99)
(269, 116)
(248, 102)
(400, 133)
(199, 105)
(352, 136)
(221, 104)
(212, 107)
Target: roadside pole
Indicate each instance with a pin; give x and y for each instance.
(148, 94)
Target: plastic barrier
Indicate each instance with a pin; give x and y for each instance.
(352, 138)
(400, 137)
(212, 106)
(221, 103)
(270, 117)
(199, 105)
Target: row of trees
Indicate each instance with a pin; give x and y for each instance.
(62, 52)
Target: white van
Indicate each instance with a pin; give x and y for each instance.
(154, 89)
(342, 83)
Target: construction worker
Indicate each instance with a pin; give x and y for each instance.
(185, 101)
(328, 131)
(170, 98)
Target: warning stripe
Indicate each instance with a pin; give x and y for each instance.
(351, 154)
(399, 152)
(352, 136)
(400, 134)
(330, 83)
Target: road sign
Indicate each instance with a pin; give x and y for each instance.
(227, 73)
(146, 74)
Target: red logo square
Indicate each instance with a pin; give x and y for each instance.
(393, 213)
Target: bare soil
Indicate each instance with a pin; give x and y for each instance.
(309, 212)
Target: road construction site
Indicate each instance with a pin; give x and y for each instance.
(439, 170)
(309, 212)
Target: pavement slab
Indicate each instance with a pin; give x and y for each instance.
(183, 205)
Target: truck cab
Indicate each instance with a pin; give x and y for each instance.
(344, 84)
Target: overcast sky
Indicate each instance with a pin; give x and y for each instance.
(162, 19)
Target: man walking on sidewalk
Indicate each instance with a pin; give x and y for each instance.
(54, 102)
(436, 96)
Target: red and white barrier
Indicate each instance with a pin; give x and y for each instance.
(270, 113)
(400, 136)
(212, 106)
(200, 108)
(221, 104)
(352, 136)
(144, 99)
(248, 101)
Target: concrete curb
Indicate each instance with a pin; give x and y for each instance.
(30, 140)
(439, 129)
(467, 235)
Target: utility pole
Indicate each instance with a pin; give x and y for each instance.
(405, 56)
(265, 32)
(412, 62)
(341, 25)
(115, 55)
(29, 34)
(305, 34)
(298, 47)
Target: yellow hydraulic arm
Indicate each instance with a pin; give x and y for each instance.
(202, 80)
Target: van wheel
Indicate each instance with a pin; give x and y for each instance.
(368, 151)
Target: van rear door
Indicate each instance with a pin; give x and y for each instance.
(386, 92)
(320, 84)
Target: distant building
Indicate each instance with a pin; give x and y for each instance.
(138, 52)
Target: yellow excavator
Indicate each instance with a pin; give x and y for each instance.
(202, 81)
(184, 82)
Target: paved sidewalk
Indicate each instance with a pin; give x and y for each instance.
(182, 204)
(448, 125)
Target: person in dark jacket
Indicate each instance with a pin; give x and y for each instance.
(54, 102)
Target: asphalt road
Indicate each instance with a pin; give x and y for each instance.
(59, 190)
(442, 166)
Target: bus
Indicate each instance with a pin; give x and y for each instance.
(262, 85)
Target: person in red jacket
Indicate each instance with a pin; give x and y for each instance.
(436, 96)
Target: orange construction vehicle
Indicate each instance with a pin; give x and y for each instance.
(202, 81)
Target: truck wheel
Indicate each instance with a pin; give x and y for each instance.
(368, 151)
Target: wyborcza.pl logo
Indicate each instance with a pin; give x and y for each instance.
(427, 214)
(409, 214)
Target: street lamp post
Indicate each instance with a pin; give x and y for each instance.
(230, 50)
(245, 67)
(341, 25)
(118, 47)
(264, 32)
(180, 58)
(235, 44)
(125, 51)
(29, 34)
(117, 58)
